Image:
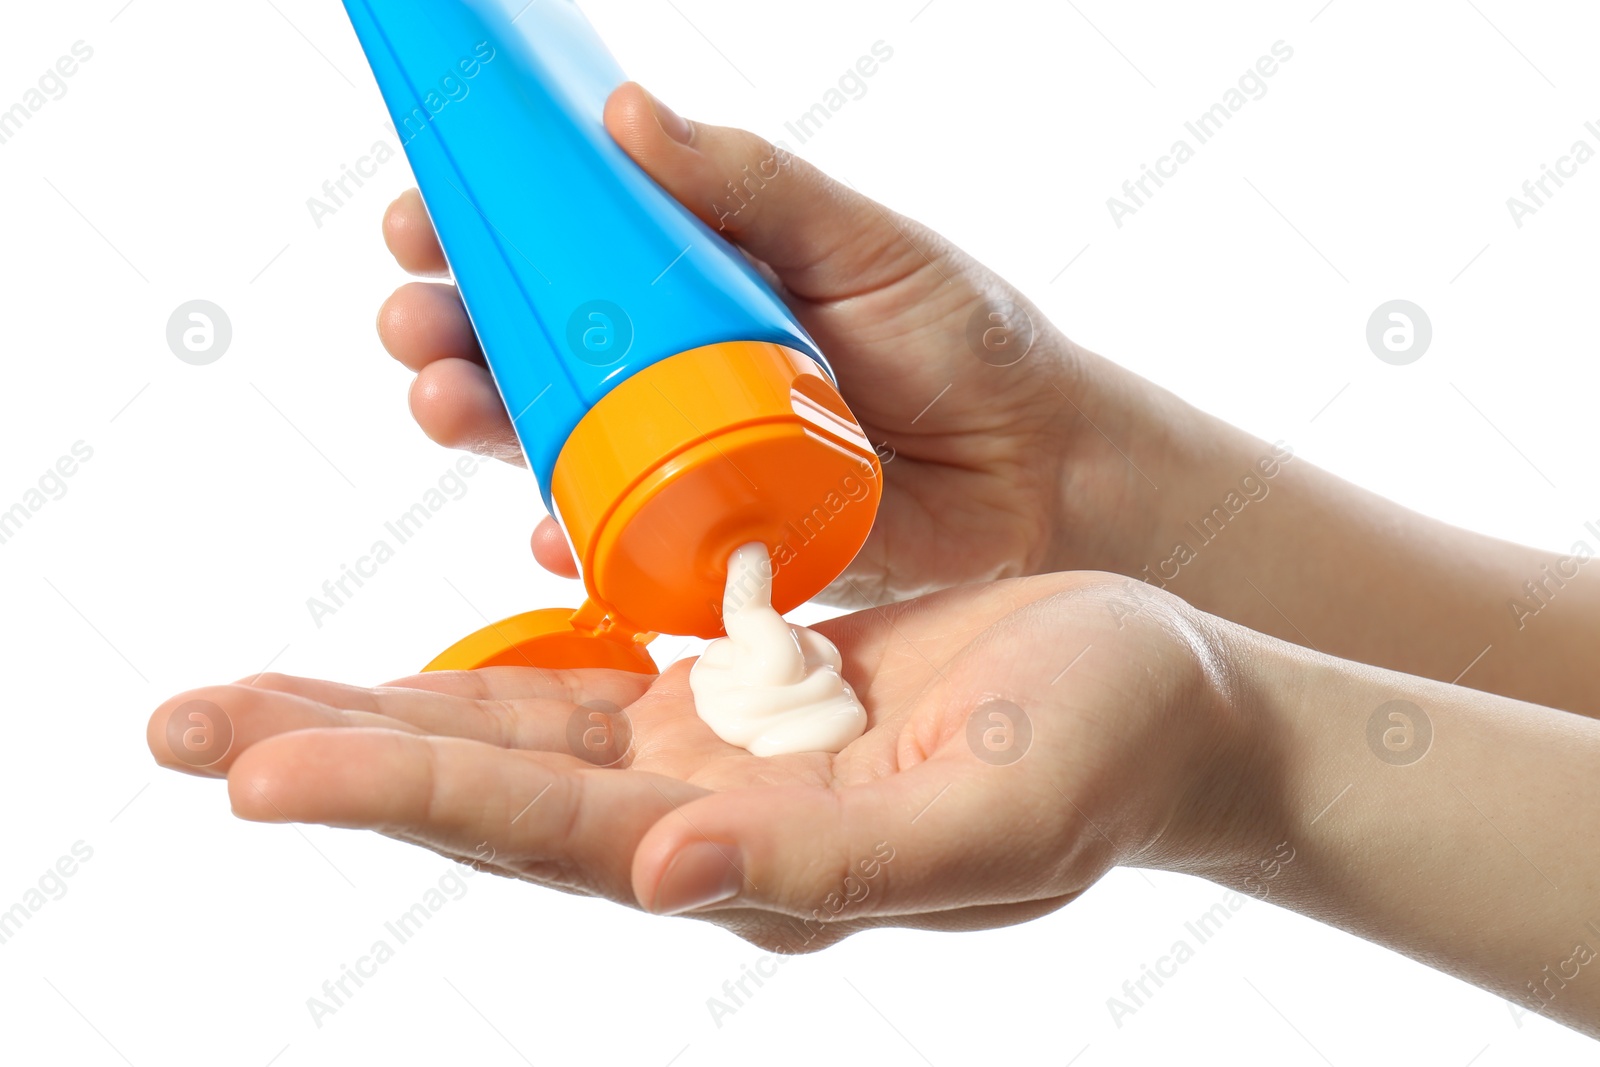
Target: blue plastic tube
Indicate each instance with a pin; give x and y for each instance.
(576, 268)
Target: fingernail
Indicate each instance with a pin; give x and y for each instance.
(676, 126)
(700, 875)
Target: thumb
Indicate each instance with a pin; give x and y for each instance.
(824, 240)
(943, 835)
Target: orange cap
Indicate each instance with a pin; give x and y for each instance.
(703, 452)
(556, 638)
(669, 473)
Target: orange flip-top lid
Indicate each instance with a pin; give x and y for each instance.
(680, 464)
(554, 638)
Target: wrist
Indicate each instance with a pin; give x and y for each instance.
(1232, 808)
(1131, 451)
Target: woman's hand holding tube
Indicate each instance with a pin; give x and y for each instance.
(1016, 452)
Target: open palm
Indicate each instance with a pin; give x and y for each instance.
(924, 821)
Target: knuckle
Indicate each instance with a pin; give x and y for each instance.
(267, 680)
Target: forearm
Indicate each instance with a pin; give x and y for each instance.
(1454, 827)
(1305, 556)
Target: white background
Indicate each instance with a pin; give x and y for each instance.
(219, 498)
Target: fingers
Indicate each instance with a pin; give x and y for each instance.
(456, 404)
(203, 731)
(514, 684)
(824, 240)
(523, 708)
(531, 812)
(409, 233)
(551, 550)
(425, 321)
(946, 834)
(206, 730)
(426, 328)
(454, 399)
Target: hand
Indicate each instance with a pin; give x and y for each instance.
(1062, 461)
(1131, 755)
(978, 486)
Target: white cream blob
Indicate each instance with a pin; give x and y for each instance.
(769, 687)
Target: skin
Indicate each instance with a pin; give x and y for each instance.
(1159, 737)
(451, 760)
(1051, 464)
(1161, 733)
